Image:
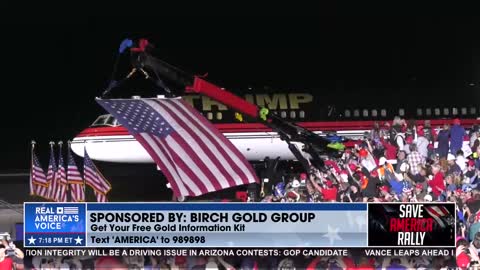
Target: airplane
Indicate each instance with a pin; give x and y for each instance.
(106, 140)
(292, 117)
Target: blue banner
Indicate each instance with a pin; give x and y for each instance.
(55, 224)
(195, 224)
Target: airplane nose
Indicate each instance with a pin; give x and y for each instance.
(79, 142)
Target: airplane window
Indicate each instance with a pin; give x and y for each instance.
(473, 110)
(374, 113)
(356, 113)
(446, 111)
(464, 111)
(293, 114)
(428, 112)
(301, 114)
(437, 111)
(106, 120)
(209, 116)
(283, 114)
(383, 113)
(111, 121)
(454, 111)
(365, 113)
(219, 116)
(419, 112)
(347, 113)
(401, 112)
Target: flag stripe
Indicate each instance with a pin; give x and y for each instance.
(187, 174)
(166, 165)
(435, 215)
(218, 166)
(194, 156)
(232, 152)
(184, 180)
(438, 212)
(93, 177)
(222, 151)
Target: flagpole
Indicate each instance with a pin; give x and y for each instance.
(60, 144)
(32, 186)
(50, 185)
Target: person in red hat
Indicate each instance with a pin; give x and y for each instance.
(437, 184)
(420, 192)
(422, 143)
(328, 191)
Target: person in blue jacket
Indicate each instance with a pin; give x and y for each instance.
(443, 140)
(457, 133)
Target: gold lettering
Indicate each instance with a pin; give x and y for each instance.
(190, 99)
(272, 103)
(296, 99)
(249, 98)
(207, 104)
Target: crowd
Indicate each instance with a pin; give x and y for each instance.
(398, 162)
(403, 162)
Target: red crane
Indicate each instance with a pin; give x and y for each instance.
(177, 82)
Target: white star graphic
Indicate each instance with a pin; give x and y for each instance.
(31, 240)
(360, 222)
(332, 234)
(78, 240)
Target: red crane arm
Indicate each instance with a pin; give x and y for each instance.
(211, 90)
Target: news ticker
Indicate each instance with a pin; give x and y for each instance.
(242, 252)
(229, 225)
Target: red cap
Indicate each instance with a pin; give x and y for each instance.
(456, 121)
(292, 195)
(463, 260)
(419, 186)
(363, 153)
(374, 173)
(241, 195)
(471, 163)
(303, 176)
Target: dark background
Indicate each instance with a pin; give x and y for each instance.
(57, 58)
(56, 62)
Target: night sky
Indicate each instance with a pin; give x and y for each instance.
(54, 68)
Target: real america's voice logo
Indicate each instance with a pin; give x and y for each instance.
(54, 224)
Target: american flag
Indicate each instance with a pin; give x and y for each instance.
(46, 192)
(194, 156)
(37, 175)
(59, 187)
(94, 178)
(100, 197)
(75, 180)
(440, 214)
